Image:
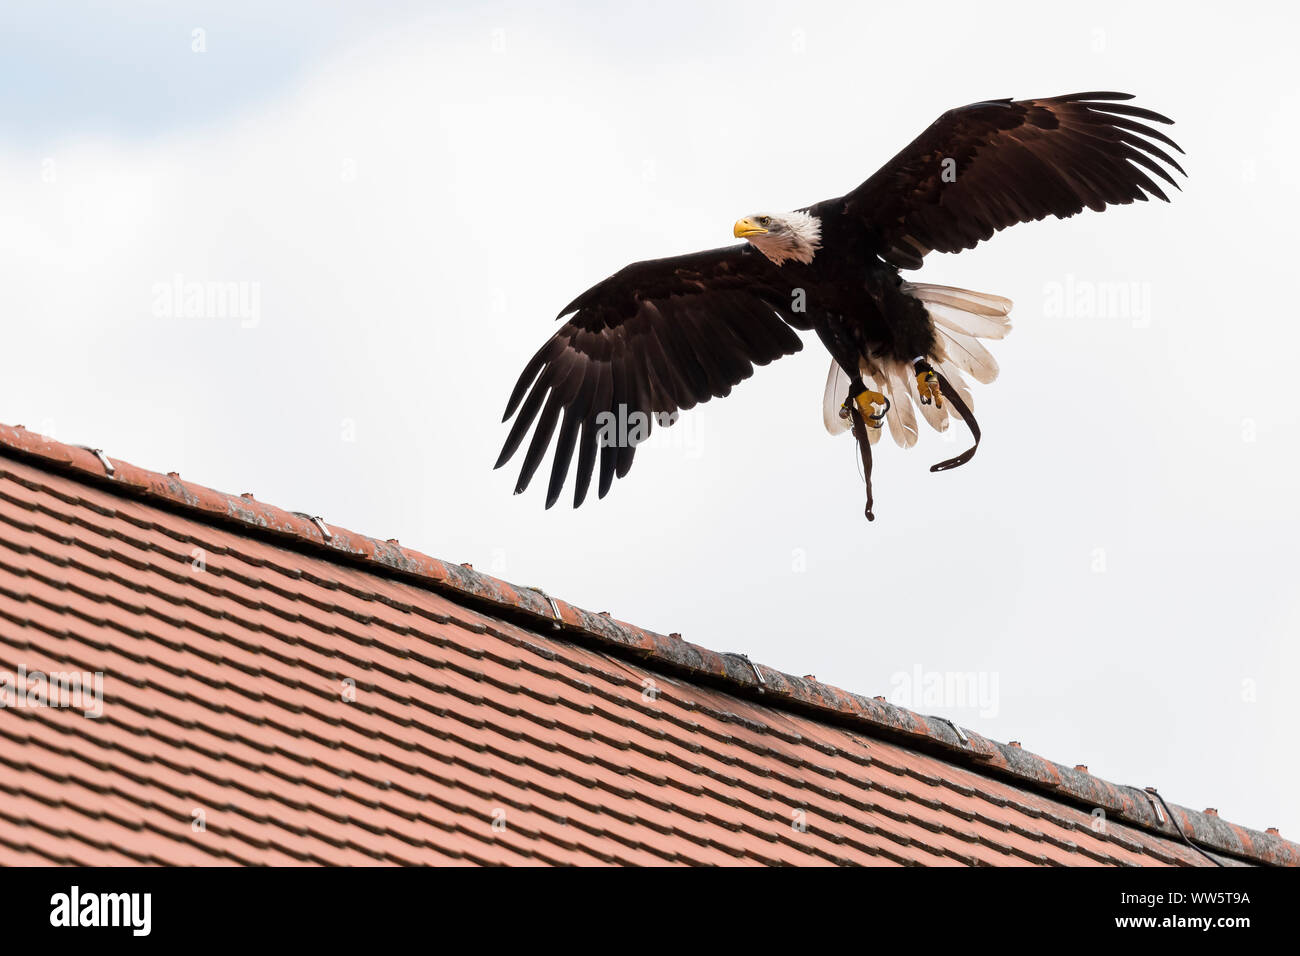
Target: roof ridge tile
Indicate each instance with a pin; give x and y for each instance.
(125, 493)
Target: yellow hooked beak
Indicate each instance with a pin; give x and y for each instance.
(746, 227)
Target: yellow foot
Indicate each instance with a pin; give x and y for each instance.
(867, 402)
(927, 383)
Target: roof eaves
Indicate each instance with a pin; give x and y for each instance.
(737, 673)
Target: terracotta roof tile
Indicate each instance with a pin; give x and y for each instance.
(318, 697)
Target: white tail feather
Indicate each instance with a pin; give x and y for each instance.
(976, 303)
(961, 318)
(837, 390)
(970, 356)
(968, 323)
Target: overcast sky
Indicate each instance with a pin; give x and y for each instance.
(407, 195)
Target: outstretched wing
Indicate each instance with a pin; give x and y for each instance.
(990, 165)
(654, 338)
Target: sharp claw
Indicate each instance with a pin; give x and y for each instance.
(927, 384)
(866, 402)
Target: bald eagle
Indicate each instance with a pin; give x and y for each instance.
(660, 336)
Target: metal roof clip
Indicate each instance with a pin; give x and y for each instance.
(103, 459)
(318, 521)
(555, 608)
(752, 666)
(1151, 795)
(961, 734)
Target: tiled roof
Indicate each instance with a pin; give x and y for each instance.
(279, 690)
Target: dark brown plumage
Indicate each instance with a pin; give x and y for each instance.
(662, 335)
(656, 337)
(1015, 162)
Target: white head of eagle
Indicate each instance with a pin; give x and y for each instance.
(789, 235)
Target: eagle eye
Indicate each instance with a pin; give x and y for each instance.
(764, 220)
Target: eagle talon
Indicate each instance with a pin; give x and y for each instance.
(927, 383)
(866, 401)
